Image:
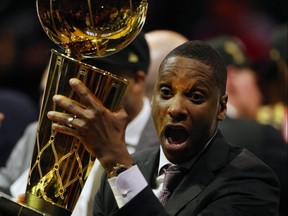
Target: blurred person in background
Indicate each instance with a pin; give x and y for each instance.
(275, 110)
(160, 43)
(19, 159)
(245, 98)
(19, 110)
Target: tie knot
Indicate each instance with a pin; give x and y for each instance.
(173, 175)
(175, 168)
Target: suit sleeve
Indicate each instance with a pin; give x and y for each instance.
(105, 203)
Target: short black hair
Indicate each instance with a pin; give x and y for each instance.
(203, 52)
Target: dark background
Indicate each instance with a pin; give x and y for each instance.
(251, 20)
(25, 49)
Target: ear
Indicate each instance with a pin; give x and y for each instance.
(222, 107)
(140, 77)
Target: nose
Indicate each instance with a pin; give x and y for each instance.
(177, 109)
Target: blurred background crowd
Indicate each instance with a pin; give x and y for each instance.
(25, 48)
(260, 25)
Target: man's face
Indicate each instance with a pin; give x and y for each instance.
(186, 107)
(248, 97)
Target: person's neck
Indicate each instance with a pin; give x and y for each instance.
(135, 109)
(231, 111)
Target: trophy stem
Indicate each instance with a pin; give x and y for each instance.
(60, 163)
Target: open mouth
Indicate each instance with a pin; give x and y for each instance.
(176, 134)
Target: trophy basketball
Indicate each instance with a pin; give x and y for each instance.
(60, 164)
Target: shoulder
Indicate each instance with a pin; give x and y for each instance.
(244, 184)
(234, 160)
(248, 166)
(246, 159)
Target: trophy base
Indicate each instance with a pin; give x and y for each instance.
(9, 207)
(41, 205)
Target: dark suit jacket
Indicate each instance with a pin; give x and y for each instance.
(266, 143)
(224, 181)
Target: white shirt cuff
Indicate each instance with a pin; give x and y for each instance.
(127, 185)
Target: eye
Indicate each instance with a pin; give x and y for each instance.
(165, 92)
(197, 97)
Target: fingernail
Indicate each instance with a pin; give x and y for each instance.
(72, 80)
(55, 97)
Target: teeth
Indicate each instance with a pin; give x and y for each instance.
(170, 140)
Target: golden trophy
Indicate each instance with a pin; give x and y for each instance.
(60, 164)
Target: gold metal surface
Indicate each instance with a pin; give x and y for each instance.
(92, 27)
(60, 164)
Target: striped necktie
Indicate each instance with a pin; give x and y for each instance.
(173, 175)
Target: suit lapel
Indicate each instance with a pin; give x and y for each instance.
(200, 175)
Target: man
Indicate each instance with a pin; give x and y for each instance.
(189, 99)
(262, 140)
(131, 63)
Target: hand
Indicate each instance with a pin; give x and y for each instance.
(101, 131)
(21, 198)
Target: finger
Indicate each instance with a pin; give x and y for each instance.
(65, 130)
(21, 198)
(66, 120)
(87, 97)
(60, 118)
(60, 123)
(69, 105)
